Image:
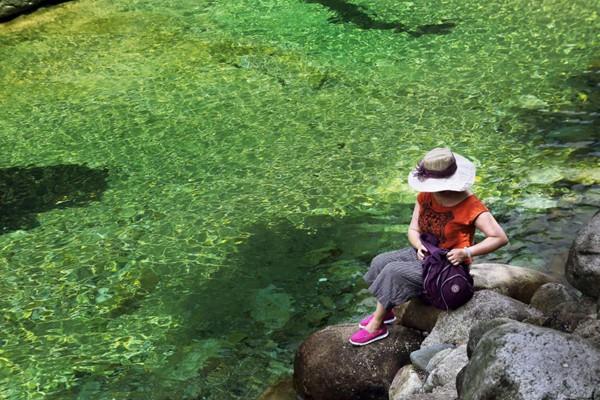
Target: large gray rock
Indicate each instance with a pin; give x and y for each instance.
(516, 282)
(590, 331)
(550, 295)
(10, 8)
(453, 327)
(567, 316)
(445, 371)
(328, 367)
(420, 358)
(517, 361)
(583, 265)
(406, 383)
(481, 328)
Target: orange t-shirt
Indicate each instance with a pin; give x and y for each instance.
(453, 226)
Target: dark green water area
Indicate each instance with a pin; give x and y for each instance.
(189, 188)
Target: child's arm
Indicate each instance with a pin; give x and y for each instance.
(494, 239)
(414, 233)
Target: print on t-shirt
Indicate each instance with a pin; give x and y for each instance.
(434, 222)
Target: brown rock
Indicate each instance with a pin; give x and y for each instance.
(417, 315)
(516, 282)
(328, 367)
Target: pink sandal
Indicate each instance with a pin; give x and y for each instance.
(363, 336)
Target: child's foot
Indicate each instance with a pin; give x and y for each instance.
(388, 318)
(363, 336)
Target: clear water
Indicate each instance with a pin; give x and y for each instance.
(190, 188)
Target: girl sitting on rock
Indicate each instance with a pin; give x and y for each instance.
(447, 209)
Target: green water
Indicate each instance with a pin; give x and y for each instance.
(190, 188)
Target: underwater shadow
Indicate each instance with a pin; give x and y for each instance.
(357, 15)
(577, 126)
(284, 282)
(26, 191)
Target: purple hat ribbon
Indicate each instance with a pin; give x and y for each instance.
(423, 173)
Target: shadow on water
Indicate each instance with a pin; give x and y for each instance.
(576, 127)
(541, 238)
(284, 283)
(32, 8)
(359, 16)
(26, 191)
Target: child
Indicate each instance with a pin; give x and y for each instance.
(446, 208)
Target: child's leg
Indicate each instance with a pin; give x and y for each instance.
(380, 261)
(377, 319)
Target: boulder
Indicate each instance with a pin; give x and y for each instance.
(420, 358)
(328, 367)
(417, 315)
(443, 393)
(481, 328)
(10, 8)
(567, 316)
(406, 383)
(445, 371)
(437, 358)
(583, 265)
(550, 295)
(589, 330)
(516, 282)
(453, 327)
(520, 361)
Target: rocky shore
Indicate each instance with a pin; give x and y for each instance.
(525, 335)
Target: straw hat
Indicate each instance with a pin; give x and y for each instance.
(441, 169)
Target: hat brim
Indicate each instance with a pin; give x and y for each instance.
(461, 180)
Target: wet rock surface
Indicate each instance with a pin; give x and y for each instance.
(583, 265)
(525, 362)
(328, 367)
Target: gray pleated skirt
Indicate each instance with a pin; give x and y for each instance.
(395, 277)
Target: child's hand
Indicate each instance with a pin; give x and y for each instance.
(456, 256)
(421, 253)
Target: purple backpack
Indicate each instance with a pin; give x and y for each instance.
(445, 286)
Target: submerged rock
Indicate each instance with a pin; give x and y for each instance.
(453, 327)
(328, 367)
(282, 390)
(520, 361)
(583, 265)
